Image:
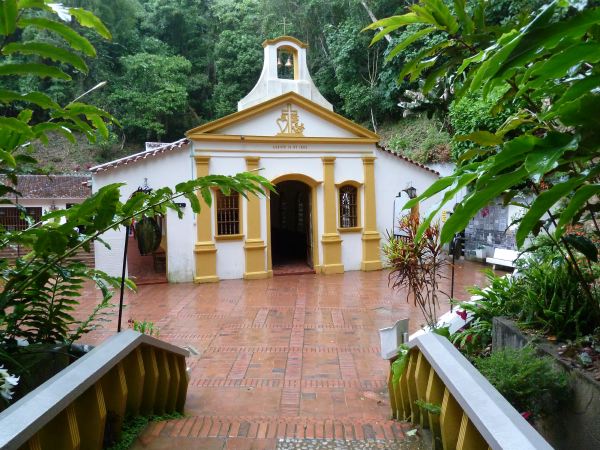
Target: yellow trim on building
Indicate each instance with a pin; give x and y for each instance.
(359, 221)
(202, 131)
(371, 257)
(332, 244)
(254, 246)
(228, 237)
(298, 42)
(205, 250)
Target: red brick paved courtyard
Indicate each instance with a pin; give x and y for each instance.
(294, 356)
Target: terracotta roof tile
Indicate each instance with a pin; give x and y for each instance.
(411, 161)
(54, 186)
(155, 149)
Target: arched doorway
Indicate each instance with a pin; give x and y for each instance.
(292, 238)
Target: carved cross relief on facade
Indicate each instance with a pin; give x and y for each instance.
(289, 124)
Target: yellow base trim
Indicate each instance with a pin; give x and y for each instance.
(349, 229)
(229, 237)
(371, 236)
(205, 247)
(257, 275)
(330, 238)
(254, 251)
(329, 269)
(207, 279)
(367, 266)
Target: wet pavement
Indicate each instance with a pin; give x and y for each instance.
(289, 362)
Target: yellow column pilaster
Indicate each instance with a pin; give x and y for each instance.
(371, 256)
(205, 249)
(332, 244)
(254, 246)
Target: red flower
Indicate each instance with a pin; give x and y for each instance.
(526, 415)
(462, 315)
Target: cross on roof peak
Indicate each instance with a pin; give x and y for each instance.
(285, 24)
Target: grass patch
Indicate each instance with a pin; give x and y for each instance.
(134, 425)
(417, 138)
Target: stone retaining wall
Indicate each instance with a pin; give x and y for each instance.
(577, 424)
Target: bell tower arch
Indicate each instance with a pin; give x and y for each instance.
(284, 70)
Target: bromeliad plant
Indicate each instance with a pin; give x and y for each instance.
(40, 290)
(417, 266)
(549, 148)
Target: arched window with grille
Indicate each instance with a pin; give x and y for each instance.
(228, 215)
(349, 206)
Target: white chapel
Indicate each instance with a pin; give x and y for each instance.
(337, 190)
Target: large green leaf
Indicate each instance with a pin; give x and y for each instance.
(390, 24)
(559, 64)
(579, 112)
(16, 125)
(470, 206)
(542, 204)
(513, 153)
(75, 40)
(459, 184)
(442, 15)
(578, 88)
(484, 138)
(575, 205)
(37, 98)
(8, 17)
(552, 148)
(539, 35)
(414, 65)
(463, 16)
(583, 245)
(409, 40)
(89, 20)
(46, 51)
(40, 70)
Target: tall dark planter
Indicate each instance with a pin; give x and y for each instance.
(148, 235)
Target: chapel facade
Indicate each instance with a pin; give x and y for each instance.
(337, 190)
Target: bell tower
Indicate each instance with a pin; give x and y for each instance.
(284, 70)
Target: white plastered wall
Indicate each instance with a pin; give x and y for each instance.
(274, 164)
(166, 169)
(392, 175)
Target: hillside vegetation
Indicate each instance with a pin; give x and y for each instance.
(174, 64)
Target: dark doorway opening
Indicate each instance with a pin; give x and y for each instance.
(291, 229)
(152, 268)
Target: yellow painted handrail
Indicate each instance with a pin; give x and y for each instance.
(474, 415)
(129, 374)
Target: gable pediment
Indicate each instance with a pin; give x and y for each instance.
(289, 117)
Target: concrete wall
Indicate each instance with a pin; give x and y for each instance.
(576, 425)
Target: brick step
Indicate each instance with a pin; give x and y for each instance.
(348, 429)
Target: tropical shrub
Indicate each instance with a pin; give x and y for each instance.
(553, 301)
(549, 147)
(495, 300)
(529, 382)
(416, 265)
